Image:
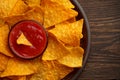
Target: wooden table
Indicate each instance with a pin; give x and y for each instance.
(104, 59)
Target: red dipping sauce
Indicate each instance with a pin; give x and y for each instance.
(34, 32)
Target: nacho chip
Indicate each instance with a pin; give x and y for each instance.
(51, 70)
(69, 33)
(65, 3)
(72, 20)
(55, 13)
(4, 48)
(6, 6)
(54, 50)
(45, 72)
(2, 22)
(33, 2)
(3, 62)
(68, 21)
(22, 78)
(61, 69)
(19, 8)
(34, 14)
(17, 77)
(23, 40)
(74, 59)
(18, 67)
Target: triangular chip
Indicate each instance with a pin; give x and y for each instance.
(33, 2)
(35, 14)
(4, 47)
(23, 40)
(6, 6)
(17, 77)
(3, 62)
(2, 22)
(56, 13)
(72, 20)
(74, 59)
(61, 69)
(45, 72)
(54, 50)
(65, 3)
(19, 8)
(69, 33)
(18, 67)
(51, 70)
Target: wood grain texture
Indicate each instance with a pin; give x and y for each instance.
(104, 59)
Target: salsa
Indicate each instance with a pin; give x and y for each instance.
(35, 34)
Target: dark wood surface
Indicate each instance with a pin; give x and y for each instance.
(104, 59)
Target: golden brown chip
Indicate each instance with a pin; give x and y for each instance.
(3, 62)
(45, 72)
(61, 69)
(33, 2)
(65, 3)
(55, 13)
(72, 20)
(68, 21)
(19, 67)
(51, 70)
(6, 6)
(74, 59)
(54, 50)
(69, 33)
(34, 14)
(2, 22)
(12, 20)
(22, 78)
(4, 48)
(23, 40)
(17, 77)
(19, 8)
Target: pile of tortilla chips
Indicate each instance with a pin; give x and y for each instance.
(63, 52)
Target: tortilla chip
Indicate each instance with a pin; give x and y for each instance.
(33, 2)
(3, 62)
(66, 22)
(54, 50)
(44, 72)
(22, 78)
(23, 40)
(19, 8)
(61, 69)
(65, 3)
(6, 6)
(55, 13)
(74, 59)
(4, 48)
(51, 70)
(18, 67)
(17, 77)
(2, 22)
(34, 14)
(69, 33)
(72, 20)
